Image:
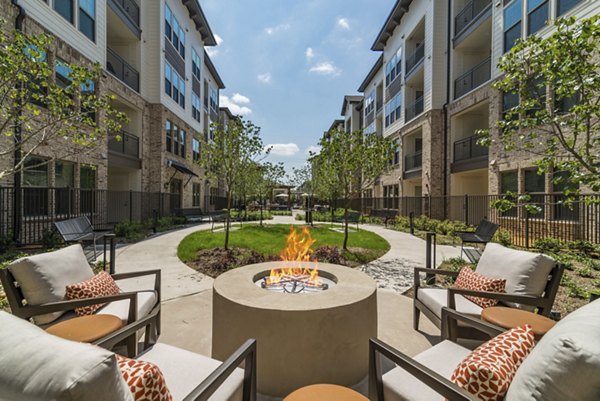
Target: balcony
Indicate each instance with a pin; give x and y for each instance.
(128, 145)
(128, 8)
(472, 10)
(468, 149)
(122, 70)
(415, 59)
(414, 109)
(473, 78)
(413, 161)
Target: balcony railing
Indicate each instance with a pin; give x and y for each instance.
(122, 70)
(128, 145)
(472, 78)
(413, 161)
(414, 109)
(415, 58)
(130, 8)
(469, 13)
(468, 148)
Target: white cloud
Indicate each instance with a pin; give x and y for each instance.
(343, 23)
(283, 149)
(274, 29)
(214, 51)
(310, 53)
(313, 149)
(235, 106)
(264, 78)
(240, 99)
(326, 68)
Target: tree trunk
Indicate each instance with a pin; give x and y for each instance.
(261, 211)
(346, 227)
(227, 220)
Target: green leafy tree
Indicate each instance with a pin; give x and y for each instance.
(349, 163)
(43, 104)
(267, 176)
(227, 156)
(557, 119)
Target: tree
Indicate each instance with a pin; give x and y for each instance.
(557, 118)
(349, 163)
(226, 157)
(43, 104)
(267, 176)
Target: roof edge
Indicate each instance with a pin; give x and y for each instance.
(213, 70)
(376, 67)
(392, 21)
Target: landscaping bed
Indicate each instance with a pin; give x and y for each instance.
(203, 250)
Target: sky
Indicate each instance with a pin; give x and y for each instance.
(287, 64)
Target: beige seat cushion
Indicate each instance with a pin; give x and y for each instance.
(399, 385)
(43, 277)
(35, 365)
(436, 298)
(565, 364)
(526, 273)
(184, 371)
(145, 302)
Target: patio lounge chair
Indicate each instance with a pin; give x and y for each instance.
(532, 281)
(44, 367)
(35, 289)
(564, 364)
(482, 235)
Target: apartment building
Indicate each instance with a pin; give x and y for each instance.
(155, 65)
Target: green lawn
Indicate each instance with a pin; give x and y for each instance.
(269, 240)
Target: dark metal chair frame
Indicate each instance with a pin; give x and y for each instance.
(80, 229)
(353, 217)
(482, 235)
(385, 215)
(543, 303)
(22, 309)
(435, 381)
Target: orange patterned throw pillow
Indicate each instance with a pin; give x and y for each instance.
(488, 371)
(101, 284)
(145, 380)
(469, 280)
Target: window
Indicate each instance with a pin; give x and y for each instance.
(174, 32)
(87, 18)
(196, 107)
(169, 136)
(195, 149)
(182, 136)
(214, 99)
(63, 72)
(396, 152)
(566, 5)
(512, 24)
(87, 183)
(509, 182)
(509, 102)
(371, 129)
(370, 103)
(35, 183)
(174, 85)
(39, 89)
(64, 196)
(196, 63)
(196, 194)
(35, 172)
(393, 109)
(536, 184)
(566, 104)
(393, 68)
(64, 8)
(175, 136)
(562, 211)
(537, 15)
(536, 90)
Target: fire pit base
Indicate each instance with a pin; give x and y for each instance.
(302, 339)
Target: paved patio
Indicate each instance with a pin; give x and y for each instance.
(187, 294)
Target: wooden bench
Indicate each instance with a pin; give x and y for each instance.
(193, 214)
(80, 229)
(384, 214)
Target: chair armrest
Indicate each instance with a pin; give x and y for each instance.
(63, 306)
(247, 354)
(449, 315)
(433, 380)
(112, 339)
(500, 296)
(436, 271)
(464, 232)
(155, 272)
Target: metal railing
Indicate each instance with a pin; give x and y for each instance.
(130, 8)
(414, 109)
(413, 161)
(117, 66)
(415, 58)
(472, 78)
(468, 148)
(471, 10)
(128, 145)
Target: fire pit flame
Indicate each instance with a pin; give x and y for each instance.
(300, 278)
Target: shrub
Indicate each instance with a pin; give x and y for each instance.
(581, 246)
(329, 254)
(547, 245)
(167, 222)
(130, 230)
(585, 272)
(565, 260)
(457, 263)
(51, 239)
(6, 243)
(502, 237)
(280, 213)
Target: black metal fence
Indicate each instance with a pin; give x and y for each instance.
(553, 218)
(41, 207)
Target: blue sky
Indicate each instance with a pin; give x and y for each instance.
(288, 63)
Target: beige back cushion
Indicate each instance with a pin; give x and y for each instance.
(35, 365)
(43, 277)
(526, 273)
(565, 364)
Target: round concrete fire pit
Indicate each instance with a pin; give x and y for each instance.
(306, 338)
